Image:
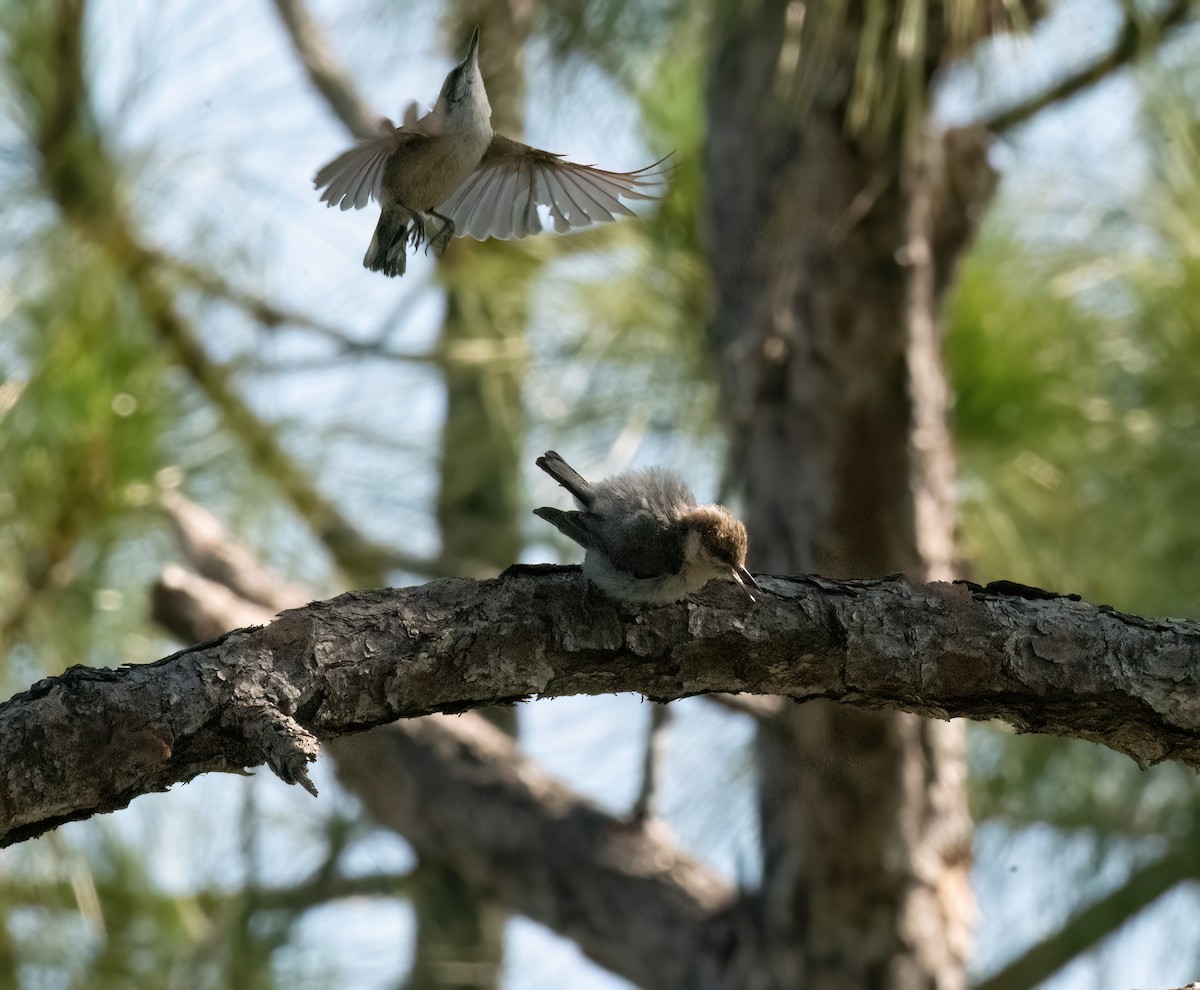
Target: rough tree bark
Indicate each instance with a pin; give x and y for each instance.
(91, 739)
(831, 255)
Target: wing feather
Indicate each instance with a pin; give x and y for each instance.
(589, 205)
(489, 205)
(353, 179)
(643, 547)
(601, 191)
(525, 221)
(549, 194)
(501, 197)
(527, 204)
(505, 199)
(572, 212)
(467, 190)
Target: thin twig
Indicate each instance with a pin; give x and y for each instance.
(652, 757)
(1136, 39)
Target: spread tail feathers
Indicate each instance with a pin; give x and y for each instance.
(567, 476)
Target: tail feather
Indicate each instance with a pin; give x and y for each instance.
(389, 243)
(567, 476)
(570, 524)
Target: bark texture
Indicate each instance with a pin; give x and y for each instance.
(90, 740)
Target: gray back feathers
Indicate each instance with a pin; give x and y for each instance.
(657, 491)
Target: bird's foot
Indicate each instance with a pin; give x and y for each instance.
(414, 235)
(441, 240)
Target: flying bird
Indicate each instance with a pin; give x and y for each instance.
(450, 174)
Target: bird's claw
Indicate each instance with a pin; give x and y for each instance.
(441, 240)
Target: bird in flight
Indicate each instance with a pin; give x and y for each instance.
(450, 174)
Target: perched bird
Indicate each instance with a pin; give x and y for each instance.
(646, 538)
(451, 167)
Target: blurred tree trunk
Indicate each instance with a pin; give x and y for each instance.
(479, 502)
(830, 259)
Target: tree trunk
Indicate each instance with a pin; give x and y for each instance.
(830, 261)
(479, 502)
(480, 499)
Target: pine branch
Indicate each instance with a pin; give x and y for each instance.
(90, 740)
(1138, 37)
(462, 793)
(1096, 921)
(324, 72)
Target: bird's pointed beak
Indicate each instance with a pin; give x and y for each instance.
(746, 580)
(473, 48)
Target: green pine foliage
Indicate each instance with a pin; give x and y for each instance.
(1078, 430)
(86, 403)
(1077, 413)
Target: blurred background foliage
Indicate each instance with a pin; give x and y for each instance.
(179, 210)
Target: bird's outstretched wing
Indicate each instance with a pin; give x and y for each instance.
(501, 197)
(354, 177)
